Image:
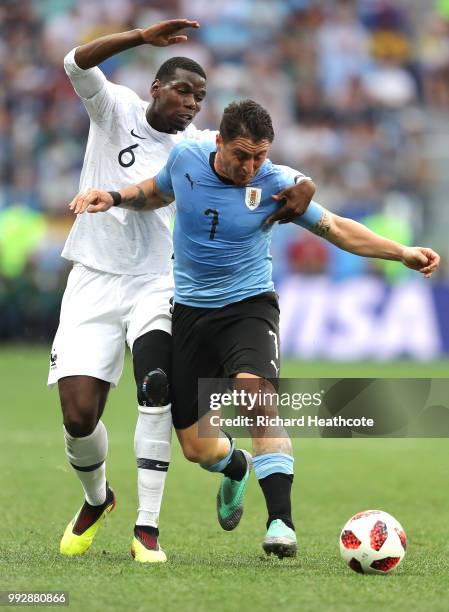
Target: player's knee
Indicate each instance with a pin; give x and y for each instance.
(151, 361)
(153, 391)
(80, 417)
(79, 425)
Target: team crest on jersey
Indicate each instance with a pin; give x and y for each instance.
(253, 196)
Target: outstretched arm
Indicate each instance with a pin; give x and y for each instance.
(358, 239)
(160, 35)
(143, 196)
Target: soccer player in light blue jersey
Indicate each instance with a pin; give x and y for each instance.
(226, 315)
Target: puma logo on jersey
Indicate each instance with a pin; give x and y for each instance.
(191, 181)
(137, 136)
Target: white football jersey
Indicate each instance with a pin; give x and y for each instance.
(122, 149)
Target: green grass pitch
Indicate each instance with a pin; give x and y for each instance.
(209, 569)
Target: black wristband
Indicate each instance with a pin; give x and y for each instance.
(116, 198)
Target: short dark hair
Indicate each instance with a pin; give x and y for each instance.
(168, 68)
(248, 119)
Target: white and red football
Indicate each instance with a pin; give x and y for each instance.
(373, 542)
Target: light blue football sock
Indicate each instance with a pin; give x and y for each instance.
(272, 463)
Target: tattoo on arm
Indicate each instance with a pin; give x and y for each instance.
(322, 227)
(136, 202)
(144, 196)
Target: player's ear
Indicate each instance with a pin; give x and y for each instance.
(155, 88)
(218, 139)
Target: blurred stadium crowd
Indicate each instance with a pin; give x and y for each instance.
(358, 91)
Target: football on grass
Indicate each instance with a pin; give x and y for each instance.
(373, 542)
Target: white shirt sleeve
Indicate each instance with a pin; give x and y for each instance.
(194, 133)
(96, 92)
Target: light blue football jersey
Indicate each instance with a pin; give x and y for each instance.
(221, 247)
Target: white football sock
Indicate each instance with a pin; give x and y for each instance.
(152, 446)
(87, 456)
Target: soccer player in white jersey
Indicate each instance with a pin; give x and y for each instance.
(121, 282)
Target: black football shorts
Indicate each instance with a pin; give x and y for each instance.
(218, 343)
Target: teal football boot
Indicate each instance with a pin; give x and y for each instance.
(280, 540)
(230, 498)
